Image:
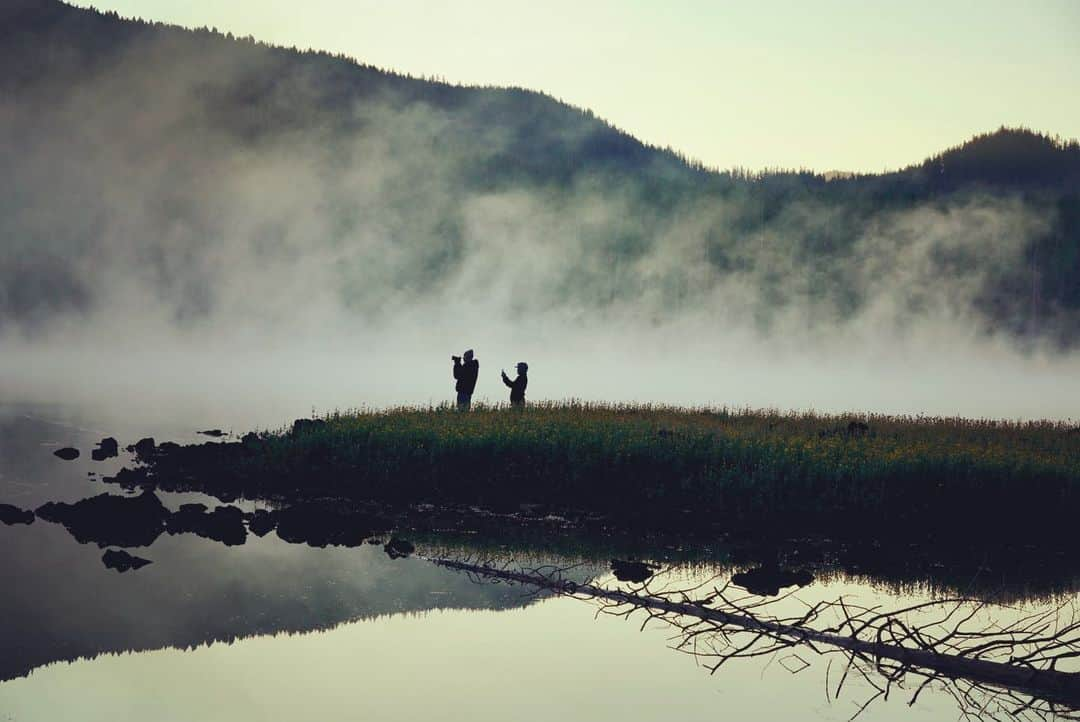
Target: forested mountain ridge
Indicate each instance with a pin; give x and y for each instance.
(255, 89)
(146, 152)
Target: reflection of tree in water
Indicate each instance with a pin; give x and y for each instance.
(992, 668)
(1005, 670)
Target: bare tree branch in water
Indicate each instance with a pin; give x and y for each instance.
(993, 670)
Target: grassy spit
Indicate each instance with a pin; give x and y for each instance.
(659, 464)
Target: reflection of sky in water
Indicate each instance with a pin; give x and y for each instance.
(428, 643)
(548, 661)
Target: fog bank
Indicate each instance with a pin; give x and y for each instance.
(164, 247)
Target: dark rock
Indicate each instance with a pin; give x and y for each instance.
(121, 561)
(209, 467)
(108, 448)
(398, 548)
(224, 524)
(67, 453)
(143, 448)
(14, 515)
(768, 581)
(306, 426)
(636, 572)
(217, 433)
(109, 520)
(261, 522)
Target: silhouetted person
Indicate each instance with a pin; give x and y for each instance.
(465, 373)
(517, 386)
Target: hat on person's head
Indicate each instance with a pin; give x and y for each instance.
(522, 366)
(468, 355)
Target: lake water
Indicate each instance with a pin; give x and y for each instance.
(271, 630)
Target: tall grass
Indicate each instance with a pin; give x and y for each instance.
(676, 464)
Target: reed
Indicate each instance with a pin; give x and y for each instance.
(677, 464)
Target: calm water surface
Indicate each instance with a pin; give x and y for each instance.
(269, 630)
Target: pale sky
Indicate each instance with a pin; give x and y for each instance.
(827, 85)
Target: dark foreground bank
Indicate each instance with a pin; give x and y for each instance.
(661, 467)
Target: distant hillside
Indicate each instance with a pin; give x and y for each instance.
(193, 171)
(1013, 157)
(254, 90)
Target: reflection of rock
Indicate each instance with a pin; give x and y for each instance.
(121, 561)
(110, 520)
(224, 524)
(768, 581)
(108, 448)
(398, 548)
(261, 522)
(126, 521)
(319, 525)
(636, 572)
(128, 478)
(14, 515)
(67, 453)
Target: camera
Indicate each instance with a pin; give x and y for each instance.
(455, 358)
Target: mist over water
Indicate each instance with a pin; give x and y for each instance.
(154, 262)
(268, 386)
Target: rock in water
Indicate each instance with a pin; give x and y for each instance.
(216, 433)
(14, 515)
(67, 453)
(121, 561)
(635, 572)
(108, 448)
(143, 447)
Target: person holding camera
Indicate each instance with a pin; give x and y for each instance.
(517, 386)
(466, 373)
